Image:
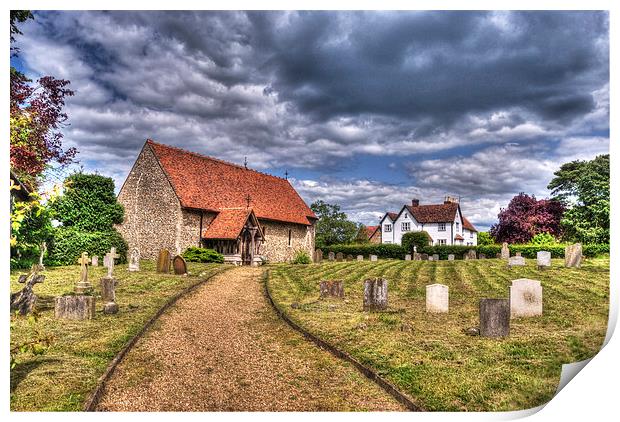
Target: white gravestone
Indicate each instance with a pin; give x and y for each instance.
(505, 251)
(435, 257)
(436, 298)
(360, 257)
(407, 257)
(451, 257)
(572, 255)
(94, 261)
(516, 261)
(134, 260)
(373, 257)
(525, 298)
(543, 259)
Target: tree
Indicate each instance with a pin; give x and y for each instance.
(333, 227)
(525, 217)
(362, 234)
(484, 238)
(419, 239)
(583, 187)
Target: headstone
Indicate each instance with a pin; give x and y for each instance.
(505, 254)
(331, 288)
(572, 255)
(435, 257)
(436, 298)
(179, 265)
(349, 257)
(112, 255)
(525, 298)
(543, 259)
(482, 256)
(106, 260)
(339, 257)
(517, 253)
(318, 256)
(94, 261)
(494, 317)
(471, 254)
(407, 257)
(360, 257)
(83, 286)
(331, 256)
(134, 260)
(74, 307)
(417, 256)
(424, 257)
(25, 300)
(375, 294)
(373, 258)
(108, 294)
(451, 257)
(516, 261)
(163, 261)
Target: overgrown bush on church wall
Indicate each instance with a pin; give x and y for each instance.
(68, 244)
(195, 254)
(301, 257)
(381, 250)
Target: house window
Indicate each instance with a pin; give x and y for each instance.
(289, 237)
(457, 227)
(388, 227)
(441, 241)
(471, 235)
(441, 227)
(405, 226)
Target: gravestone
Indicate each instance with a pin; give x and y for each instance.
(375, 294)
(572, 255)
(106, 260)
(543, 259)
(430, 258)
(525, 298)
(163, 261)
(330, 256)
(517, 253)
(74, 307)
(471, 254)
(482, 256)
(94, 261)
(435, 257)
(494, 317)
(417, 256)
(505, 254)
(373, 258)
(134, 260)
(424, 257)
(25, 300)
(339, 257)
(83, 286)
(179, 265)
(407, 257)
(516, 261)
(318, 255)
(360, 257)
(349, 257)
(112, 255)
(331, 288)
(436, 298)
(108, 294)
(451, 257)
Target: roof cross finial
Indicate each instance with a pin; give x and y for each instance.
(248, 198)
(286, 174)
(245, 162)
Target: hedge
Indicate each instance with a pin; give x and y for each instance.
(381, 250)
(195, 254)
(68, 244)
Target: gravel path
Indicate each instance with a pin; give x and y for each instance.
(222, 348)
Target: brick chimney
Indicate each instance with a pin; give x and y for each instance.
(415, 202)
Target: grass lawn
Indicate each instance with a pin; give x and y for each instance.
(63, 377)
(428, 356)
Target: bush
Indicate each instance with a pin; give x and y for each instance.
(484, 238)
(68, 244)
(418, 239)
(543, 239)
(381, 250)
(301, 257)
(195, 254)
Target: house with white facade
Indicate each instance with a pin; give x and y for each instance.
(445, 223)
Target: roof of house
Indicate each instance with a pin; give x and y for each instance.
(442, 213)
(207, 183)
(370, 230)
(467, 225)
(458, 237)
(227, 224)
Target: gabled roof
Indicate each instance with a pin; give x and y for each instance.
(458, 237)
(442, 213)
(370, 230)
(227, 224)
(206, 183)
(467, 225)
(391, 215)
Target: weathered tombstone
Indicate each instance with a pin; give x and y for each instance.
(517, 253)
(134, 260)
(179, 265)
(331, 256)
(25, 300)
(424, 257)
(83, 286)
(505, 254)
(543, 259)
(318, 255)
(572, 255)
(349, 257)
(436, 298)
(163, 261)
(375, 294)
(516, 261)
(331, 288)
(430, 258)
(407, 257)
(112, 255)
(339, 257)
(74, 307)
(494, 317)
(106, 260)
(94, 261)
(525, 298)
(360, 257)
(373, 258)
(108, 294)
(450, 257)
(482, 256)
(417, 256)
(435, 257)
(471, 254)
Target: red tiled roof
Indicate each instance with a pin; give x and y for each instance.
(458, 237)
(392, 215)
(467, 225)
(442, 213)
(207, 183)
(370, 230)
(227, 224)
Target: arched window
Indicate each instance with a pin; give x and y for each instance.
(289, 237)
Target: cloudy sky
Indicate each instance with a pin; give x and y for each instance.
(363, 109)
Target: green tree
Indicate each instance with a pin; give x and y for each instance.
(484, 238)
(418, 239)
(583, 187)
(333, 226)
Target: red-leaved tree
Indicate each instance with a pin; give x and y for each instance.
(525, 217)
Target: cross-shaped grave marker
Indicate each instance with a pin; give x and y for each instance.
(83, 285)
(112, 255)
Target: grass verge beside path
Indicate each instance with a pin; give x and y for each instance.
(429, 357)
(62, 378)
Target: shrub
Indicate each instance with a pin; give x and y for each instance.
(543, 239)
(195, 254)
(381, 250)
(301, 257)
(418, 239)
(484, 238)
(68, 244)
